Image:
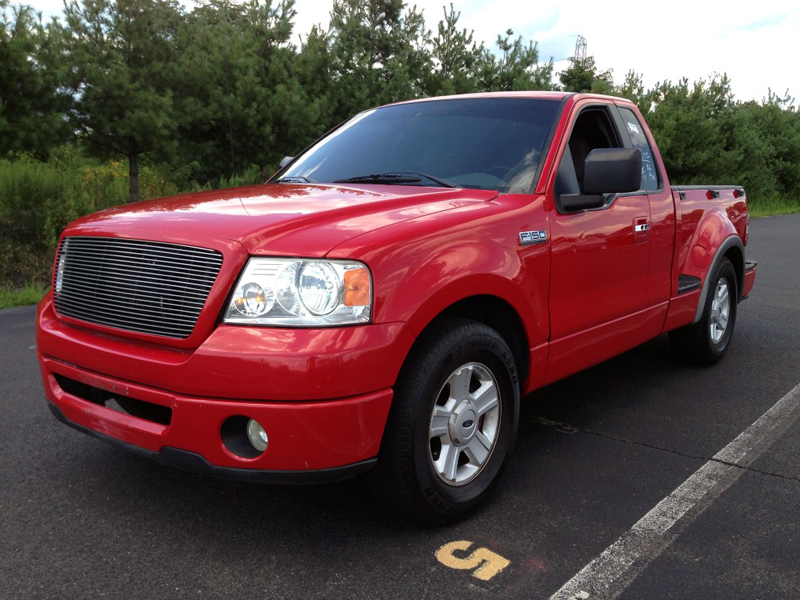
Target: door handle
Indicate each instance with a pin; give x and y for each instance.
(641, 230)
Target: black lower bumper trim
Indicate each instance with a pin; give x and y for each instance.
(190, 461)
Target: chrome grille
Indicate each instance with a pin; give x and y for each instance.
(136, 285)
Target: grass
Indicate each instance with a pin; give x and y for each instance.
(775, 206)
(29, 294)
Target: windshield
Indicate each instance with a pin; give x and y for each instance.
(483, 143)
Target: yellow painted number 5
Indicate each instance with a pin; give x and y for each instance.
(486, 563)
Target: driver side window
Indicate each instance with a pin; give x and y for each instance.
(593, 129)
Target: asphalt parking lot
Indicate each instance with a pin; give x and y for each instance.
(614, 490)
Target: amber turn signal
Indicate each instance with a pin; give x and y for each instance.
(356, 287)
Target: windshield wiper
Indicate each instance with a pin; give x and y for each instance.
(292, 179)
(397, 177)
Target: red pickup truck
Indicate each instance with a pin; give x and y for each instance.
(384, 301)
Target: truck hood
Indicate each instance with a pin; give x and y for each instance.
(277, 219)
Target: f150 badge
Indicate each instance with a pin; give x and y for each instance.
(526, 238)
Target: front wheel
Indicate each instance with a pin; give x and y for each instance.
(706, 341)
(453, 422)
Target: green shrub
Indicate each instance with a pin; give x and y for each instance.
(29, 294)
(38, 199)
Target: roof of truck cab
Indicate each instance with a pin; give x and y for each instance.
(528, 94)
(521, 94)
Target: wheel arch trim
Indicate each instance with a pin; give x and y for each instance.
(518, 340)
(727, 244)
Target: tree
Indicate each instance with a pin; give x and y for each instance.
(379, 54)
(583, 76)
(517, 68)
(32, 101)
(693, 126)
(633, 89)
(122, 56)
(768, 134)
(455, 56)
(240, 100)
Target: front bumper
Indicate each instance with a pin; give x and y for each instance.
(189, 461)
(323, 398)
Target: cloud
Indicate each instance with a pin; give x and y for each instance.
(771, 21)
(693, 39)
(557, 48)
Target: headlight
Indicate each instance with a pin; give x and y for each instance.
(293, 292)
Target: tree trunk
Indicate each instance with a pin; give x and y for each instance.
(133, 162)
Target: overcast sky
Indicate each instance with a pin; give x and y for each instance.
(754, 42)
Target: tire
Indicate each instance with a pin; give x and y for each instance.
(707, 341)
(439, 470)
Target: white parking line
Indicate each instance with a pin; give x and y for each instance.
(610, 573)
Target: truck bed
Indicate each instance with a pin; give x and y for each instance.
(695, 203)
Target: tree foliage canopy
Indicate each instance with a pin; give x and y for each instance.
(583, 76)
(122, 65)
(32, 102)
(228, 87)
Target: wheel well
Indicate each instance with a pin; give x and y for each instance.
(734, 254)
(500, 316)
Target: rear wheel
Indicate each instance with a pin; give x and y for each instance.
(453, 421)
(707, 341)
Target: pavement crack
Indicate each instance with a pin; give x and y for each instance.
(569, 429)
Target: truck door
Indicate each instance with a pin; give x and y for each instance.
(662, 209)
(599, 256)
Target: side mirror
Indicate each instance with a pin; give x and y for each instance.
(606, 171)
(285, 161)
(612, 171)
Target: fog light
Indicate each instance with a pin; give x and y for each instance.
(257, 435)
